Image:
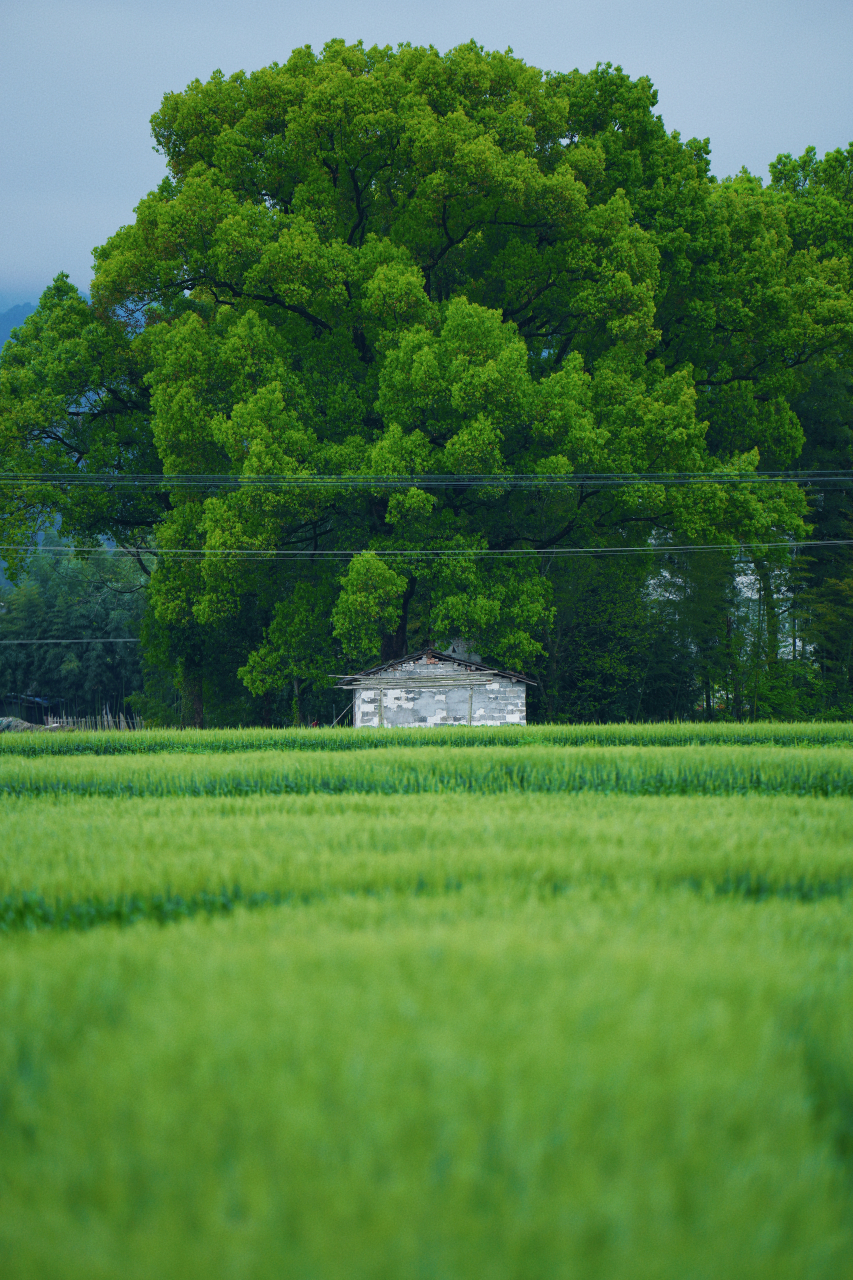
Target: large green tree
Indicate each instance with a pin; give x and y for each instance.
(391, 263)
(818, 199)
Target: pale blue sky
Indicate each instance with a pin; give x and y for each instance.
(79, 80)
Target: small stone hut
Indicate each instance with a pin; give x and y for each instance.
(433, 687)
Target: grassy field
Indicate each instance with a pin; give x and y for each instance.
(205, 741)
(473, 1014)
(720, 770)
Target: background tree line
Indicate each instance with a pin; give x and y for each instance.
(96, 600)
(392, 263)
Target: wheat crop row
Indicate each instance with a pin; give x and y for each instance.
(626, 770)
(79, 862)
(619, 1086)
(195, 741)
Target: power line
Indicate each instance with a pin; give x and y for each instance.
(302, 481)
(471, 553)
(92, 640)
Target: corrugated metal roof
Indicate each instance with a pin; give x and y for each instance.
(360, 677)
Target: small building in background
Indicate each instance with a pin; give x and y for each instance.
(433, 687)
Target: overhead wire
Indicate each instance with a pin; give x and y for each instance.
(273, 553)
(306, 481)
(822, 479)
(89, 640)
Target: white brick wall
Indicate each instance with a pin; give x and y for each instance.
(429, 693)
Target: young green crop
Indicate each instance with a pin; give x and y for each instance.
(508, 1017)
(635, 1086)
(631, 770)
(81, 861)
(204, 741)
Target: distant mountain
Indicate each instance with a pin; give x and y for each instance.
(10, 319)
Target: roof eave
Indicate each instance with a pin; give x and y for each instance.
(430, 652)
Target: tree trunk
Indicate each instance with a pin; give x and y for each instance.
(297, 702)
(550, 692)
(643, 685)
(192, 693)
(395, 645)
(771, 612)
(734, 670)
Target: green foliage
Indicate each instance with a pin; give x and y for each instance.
(369, 604)
(73, 400)
(819, 203)
(377, 261)
(62, 598)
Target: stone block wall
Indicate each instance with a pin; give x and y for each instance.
(479, 700)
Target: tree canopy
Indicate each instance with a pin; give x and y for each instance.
(391, 263)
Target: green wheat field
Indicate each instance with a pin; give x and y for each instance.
(556, 1002)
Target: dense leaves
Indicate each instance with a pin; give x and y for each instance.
(63, 602)
(377, 262)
